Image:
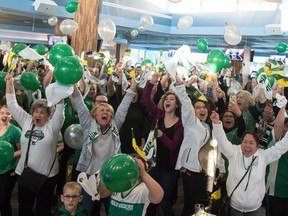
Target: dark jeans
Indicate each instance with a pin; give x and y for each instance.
(197, 188)
(235, 212)
(7, 183)
(43, 199)
(277, 205)
(93, 207)
(167, 180)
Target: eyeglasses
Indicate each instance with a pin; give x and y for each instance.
(69, 197)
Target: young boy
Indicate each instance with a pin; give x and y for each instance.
(71, 198)
(135, 201)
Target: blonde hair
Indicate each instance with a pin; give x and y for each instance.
(72, 185)
(247, 96)
(94, 110)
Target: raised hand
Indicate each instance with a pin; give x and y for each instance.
(215, 117)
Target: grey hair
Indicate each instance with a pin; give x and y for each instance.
(42, 103)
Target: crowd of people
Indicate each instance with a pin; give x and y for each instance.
(204, 131)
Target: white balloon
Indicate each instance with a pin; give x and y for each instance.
(146, 21)
(52, 21)
(68, 26)
(185, 22)
(232, 35)
(73, 136)
(134, 33)
(107, 30)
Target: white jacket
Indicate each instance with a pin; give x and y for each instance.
(196, 135)
(251, 199)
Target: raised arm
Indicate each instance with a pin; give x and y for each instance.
(218, 133)
(9, 85)
(156, 192)
(279, 123)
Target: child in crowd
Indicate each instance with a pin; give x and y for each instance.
(135, 201)
(71, 198)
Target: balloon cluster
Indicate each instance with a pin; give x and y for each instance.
(216, 60)
(68, 69)
(119, 173)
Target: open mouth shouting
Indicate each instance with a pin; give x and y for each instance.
(5, 120)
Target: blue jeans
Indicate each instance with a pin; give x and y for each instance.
(167, 179)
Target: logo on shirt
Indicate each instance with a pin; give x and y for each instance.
(36, 136)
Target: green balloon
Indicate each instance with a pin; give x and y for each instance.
(71, 6)
(41, 49)
(68, 71)
(6, 153)
(202, 45)
(59, 51)
(226, 62)
(119, 173)
(2, 80)
(18, 47)
(30, 81)
(281, 47)
(215, 60)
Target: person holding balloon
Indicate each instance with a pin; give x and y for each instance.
(100, 133)
(10, 154)
(40, 131)
(137, 192)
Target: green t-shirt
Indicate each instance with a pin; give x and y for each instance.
(12, 135)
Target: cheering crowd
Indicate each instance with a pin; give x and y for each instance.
(209, 129)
